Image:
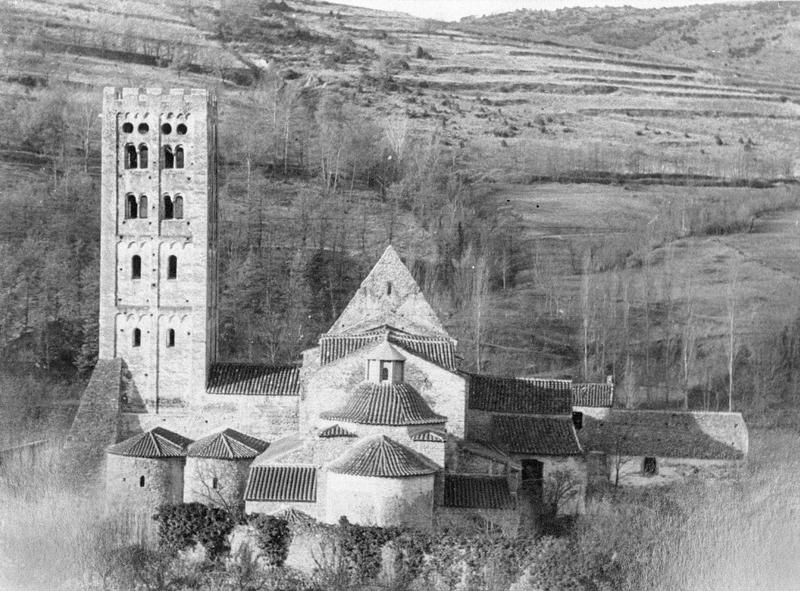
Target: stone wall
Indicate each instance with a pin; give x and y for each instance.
(572, 466)
(272, 507)
(472, 520)
(214, 481)
(669, 470)
(265, 417)
(163, 482)
(384, 502)
(328, 387)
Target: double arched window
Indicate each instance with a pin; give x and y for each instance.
(135, 209)
(135, 157)
(173, 207)
(172, 158)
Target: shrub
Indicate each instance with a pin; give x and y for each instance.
(273, 536)
(181, 525)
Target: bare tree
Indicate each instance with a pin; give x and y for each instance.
(730, 300)
(688, 339)
(559, 487)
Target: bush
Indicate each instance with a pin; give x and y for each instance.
(182, 525)
(273, 536)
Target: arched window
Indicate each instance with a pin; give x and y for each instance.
(171, 337)
(141, 481)
(130, 156)
(143, 206)
(169, 210)
(137, 337)
(136, 267)
(131, 207)
(179, 157)
(169, 157)
(172, 267)
(142, 156)
(178, 207)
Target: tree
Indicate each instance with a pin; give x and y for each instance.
(730, 301)
(688, 339)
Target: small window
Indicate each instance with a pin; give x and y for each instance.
(143, 206)
(215, 483)
(177, 208)
(166, 128)
(388, 288)
(127, 127)
(142, 156)
(141, 481)
(131, 207)
(130, 156)
(144, 128)
(649, 467)
(577, 419)
(384, 371)
(181, 129)
(137, 339)
(171, 337)
(172, 267)
(168, 157)
(179, 157)
(169, 210)
(136, 267)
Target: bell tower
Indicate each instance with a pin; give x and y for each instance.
(158, 246)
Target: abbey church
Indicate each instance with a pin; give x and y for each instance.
(377, 424)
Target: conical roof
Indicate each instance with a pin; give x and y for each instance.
(382, 457)
(155, 443)
(385, 351)
(227, 445)
(389, 295)
(386, 404)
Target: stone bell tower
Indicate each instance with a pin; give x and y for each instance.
(158, 257)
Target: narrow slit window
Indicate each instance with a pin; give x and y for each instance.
(215, 483)
(169, 157)
(136, 267)
(131, 207)
(388, 288)
(141, 481)
(137, 337)
(179, 157)
(142, 156)
(130, 156)
(172, 267)
(169, 209)
(177, 207)
(143, 206)
(171, 337)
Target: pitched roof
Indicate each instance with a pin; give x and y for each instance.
(489, 451)
(384, 352)
(385, 404)
(335, 431)
(380, 456)
(254, 380)
(546, 436)
(282, 447)
(227, 445)
(701, 435)
(517, 395)
(155, 443)
(282, 483)
(440, 350)
(596, 395)
(428, 436)
(477, 492)
(389, 292)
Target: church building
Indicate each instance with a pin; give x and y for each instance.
(377, 423)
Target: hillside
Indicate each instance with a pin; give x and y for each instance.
(624, 192)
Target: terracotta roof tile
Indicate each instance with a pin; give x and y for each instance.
(438, 350)
(254, 380)
(596, 395)
(477, 492)
(282, 483)
(535, 435)
(380, 456)
(227, 445)
(156, 443)
(517, 395)
(335, 431)
(428, 436)
(385, 404)
(701, 435)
